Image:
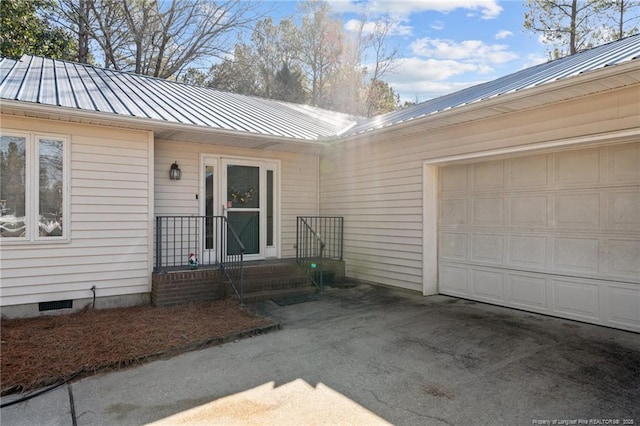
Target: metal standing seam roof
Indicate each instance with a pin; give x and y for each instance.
(609, 54)
(83, 87)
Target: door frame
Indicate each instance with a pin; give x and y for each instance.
(217, 161)
(262, 201)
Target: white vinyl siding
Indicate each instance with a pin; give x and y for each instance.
(108, 240)
(376, 181)
(552, 233)
(298, 191)
(379, 194)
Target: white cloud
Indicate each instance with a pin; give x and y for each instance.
(353, 25)
(467, 50)
(347, 6)
(502, 34)
(534, 59)
(403, 30)
(487, 9)
(399, 12)
(417, 69)
(424, 90)
(437, 25)
(485, 69)
(436, 62)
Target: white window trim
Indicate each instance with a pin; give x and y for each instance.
(32, 178)
(275, 250)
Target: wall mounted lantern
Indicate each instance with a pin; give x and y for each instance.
(175, 173)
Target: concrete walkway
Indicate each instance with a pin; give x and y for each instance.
(370, 355)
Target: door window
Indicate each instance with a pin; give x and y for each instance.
(244, 207)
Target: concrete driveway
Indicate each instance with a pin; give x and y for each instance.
(371, 355)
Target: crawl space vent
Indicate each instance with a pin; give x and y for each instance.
(58, 304)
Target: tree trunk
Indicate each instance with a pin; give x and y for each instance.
(83, 31)
(572, 29)
(621, 23)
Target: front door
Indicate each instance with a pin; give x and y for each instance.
(244, 190)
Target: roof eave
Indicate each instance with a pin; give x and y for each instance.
(160, 128)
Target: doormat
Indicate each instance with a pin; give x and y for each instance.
(344, 283)
(292, 300)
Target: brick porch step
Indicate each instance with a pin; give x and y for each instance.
(260, 296)
(252, 285)
(262, 280)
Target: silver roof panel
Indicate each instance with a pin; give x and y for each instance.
(78, 86)
(84, 87)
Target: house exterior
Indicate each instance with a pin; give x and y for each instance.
(522, 192)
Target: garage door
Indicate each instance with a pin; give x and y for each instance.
(555, 233)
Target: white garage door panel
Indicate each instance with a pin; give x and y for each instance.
(624, 258)
(453, 280)
(574, 298)
(487, 285)
(527, 291)
(609, 303)
(624, 305)
(555, 233)
(616, 258)
(527, 251)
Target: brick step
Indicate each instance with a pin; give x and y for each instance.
(277, 294)
(258, 284)
(209, 283)
(274, 277)
(273, 272)
(255, 285)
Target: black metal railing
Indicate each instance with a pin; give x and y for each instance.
(232, 263)
(211, 240)
(318, 238)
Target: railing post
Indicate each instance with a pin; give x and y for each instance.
(232, 264)
(158, 243)
(241, 278)
(341, 237)
(321, 262)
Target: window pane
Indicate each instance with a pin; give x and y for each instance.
(12, 186)
(208, 206)
(243, 186)
(51, 188)
(269, 208)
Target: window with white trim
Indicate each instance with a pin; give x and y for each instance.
(33, 187)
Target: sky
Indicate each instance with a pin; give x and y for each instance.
(446, 45)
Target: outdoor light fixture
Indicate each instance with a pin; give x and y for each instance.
(175, 173)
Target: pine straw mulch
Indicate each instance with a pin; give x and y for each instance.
(37, 352)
